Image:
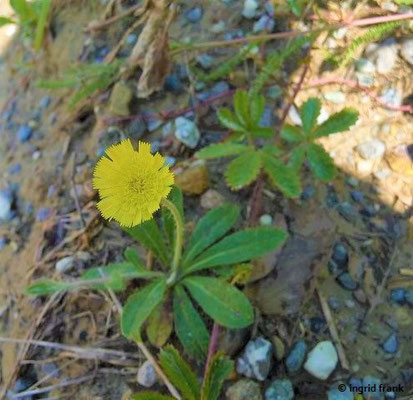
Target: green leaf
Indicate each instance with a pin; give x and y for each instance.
(41, 23)
(176, 197)
(149, 234)
(189, 326)
(321, 163)
(6, 21)
(179, 373)
(132, 256)
(243, 170)
(150, 396)
(229, 120)
(139, 306)
(218, 150)
(297, 157)
(239, 247)
(211, 227)
(291, 133)
(220, 369)
(262, 132)
(46, 286)
(225, 304)
(160, 325)
(23, 10)
(338, 122)
(310, 111)
(241, 107)
(271, 150)
(257, 107)
(284, 178)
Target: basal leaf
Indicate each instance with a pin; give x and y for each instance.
(338, 122)
(189, 326)
(150, 396)
(139, 306)
(291, 133)
(321, 163)
(284, 178)
(131, 255)
(180, 373)
(218, 150)
(229, 120)
(149, 234)
(241, 107)
(262, 132)
(46, 286)
(239, 247)
(257, 107)
(160, 325)
(225, 304)
(243, 170)
(219, 370)
(297, 157)
(310, 111)
(211, 227)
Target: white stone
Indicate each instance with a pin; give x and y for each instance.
(294, 116)
(64, 265)
(322, 360)
(146, 374)
(250, 8)
(372, 149)
(407, 50)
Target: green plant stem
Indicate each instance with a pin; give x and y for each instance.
(179, 236)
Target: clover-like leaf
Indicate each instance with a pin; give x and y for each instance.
(257, 107)
(309, 112)
(291, 133)
(218, 150)
(229, 120)
(321, 162)
(338, 122)
(241, 107)
(243, 170)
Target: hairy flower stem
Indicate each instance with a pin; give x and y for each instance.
(179, 235)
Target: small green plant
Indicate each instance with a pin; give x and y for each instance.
(251, 160)
(195, 271)
(185, 379)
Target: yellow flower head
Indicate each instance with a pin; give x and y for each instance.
(131, 183)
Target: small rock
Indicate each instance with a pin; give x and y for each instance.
(187, 132)
(264, 24)
(43, 214)
(131, 39)
(407, 50)
(409, 298)
(193, 180)
(357, 196)
(194, 14)
(170, 161)
(365, 80)
(348, 211)
(279, 348)
(335, 394)
(322, 360)
(120, 99)
(334, 303)
(50, 369)
(372, 149)
(365, 66)
(335, 96)
(250, 9)
(244, 389)
(280, 389)
(265, 220)
(392, 97)
(294, 116)
(382, 174)
(384, 55)
(352, 181)
(317, 324)
(45, 101)
(173, 84)
(65, 264)
(347, 282)
(219, 27)
(307, 193)
(323, 117)
(340, 254)
(391, 344)
(255, 361)
(373, 382)
(6, 201)
(274, 92)
(211, 199)
(146, 375)
(295, 358)
(217, 89)
(24, 133)
(205, 61)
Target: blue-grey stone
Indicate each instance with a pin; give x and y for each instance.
(187, 132)
(155, 146)
(265, 23)
(280, 389)
(205, 61)
(340, 254)
(274, 92)
(6, 202)
(365, 79)
(43, 214)
(347, 211)
(269, 8)
(347, 282)
(152, 120)
(369, 211)
(296, 356)
(45, 101)
(355, 382)
(234, 34)
(15, 169)
(373, 382)
(365, 66)
(317, 324)
(334, 303)
(390, 395)
(266, 118)
(335, 394)
(170, 161)
(357, 196)
(391, 344)
(391, 96)
(194, 14)
(250, 8)
(173, 84)
(398, 295)
(409, 298)
(3, 242)
(307, 193)
(216, 90)
(131, 38)
(24, 133)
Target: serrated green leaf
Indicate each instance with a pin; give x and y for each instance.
(239, 247)
(189, 326)
(225, 304)
(139, 306)
(321, 162)
(243, 170)
(241, 107)
(179, 373)
(291, 133)
(297, 157)
(159, 325)
(46, 286)
(262, 132)
(309, 112)
(218, 150)
(229, 120)
(131, 255)
(219, 370)
(284, 178)
(210, 228)
(271, 150)
(176, 197)
(6, 21)
(257, 107)
(149, 234)
(150, 396)
(23, 10)
(338, 122)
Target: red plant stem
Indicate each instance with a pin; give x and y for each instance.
(213, 343)
(354, 84)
